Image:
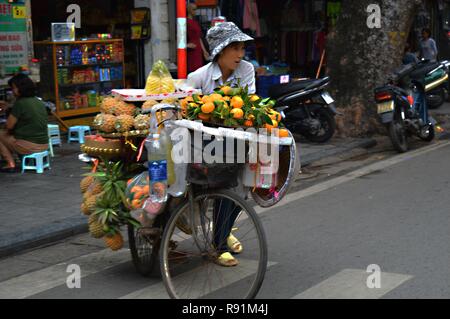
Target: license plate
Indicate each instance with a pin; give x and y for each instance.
(327, 98)
(385, 107)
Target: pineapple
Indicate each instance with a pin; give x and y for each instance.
(108, 124)
(85, 183)
(115, 242)
(109, 104)
(85, 210)
(124, 123)
(87, 195)
(92, 218)
(95, 188)
(91, 202)
(142, 122)
(125, 109)
(96, 230)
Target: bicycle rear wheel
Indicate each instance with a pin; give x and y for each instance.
(188, 256)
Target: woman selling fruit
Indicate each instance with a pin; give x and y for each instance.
(227, 44)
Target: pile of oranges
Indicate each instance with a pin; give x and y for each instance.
(233, 107)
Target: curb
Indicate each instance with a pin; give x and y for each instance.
(310, 158)
(18, 242)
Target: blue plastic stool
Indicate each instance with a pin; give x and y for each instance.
(54, 137)
(39, 162)
(79, 131)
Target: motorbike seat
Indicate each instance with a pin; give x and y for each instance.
(420, 73)
(280, 90)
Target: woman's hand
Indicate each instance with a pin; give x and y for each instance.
(191, 46)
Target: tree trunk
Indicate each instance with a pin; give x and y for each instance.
(360, 58)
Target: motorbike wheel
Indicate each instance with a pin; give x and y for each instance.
(328, 124)
(428, 137)
(397, 133)
(436, 98)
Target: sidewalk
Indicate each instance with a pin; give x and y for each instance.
(38, 209)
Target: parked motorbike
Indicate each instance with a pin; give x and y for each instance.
(437, 97)
(405, 111)
(307, 107)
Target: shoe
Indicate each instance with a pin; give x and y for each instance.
(234, 244)
(226, 260)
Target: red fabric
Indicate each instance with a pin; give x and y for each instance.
(194, 56)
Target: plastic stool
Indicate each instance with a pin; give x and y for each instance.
(39, 160)
(54, 137)
(79, 131)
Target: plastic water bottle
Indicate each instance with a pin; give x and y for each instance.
(165, 139)
(157, 167)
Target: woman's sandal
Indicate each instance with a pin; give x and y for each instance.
(234, 244)
(226, 260)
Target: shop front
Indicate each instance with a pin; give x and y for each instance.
(290, 35)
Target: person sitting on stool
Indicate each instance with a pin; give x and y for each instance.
(26, 126)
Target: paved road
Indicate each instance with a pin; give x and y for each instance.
(393, 214)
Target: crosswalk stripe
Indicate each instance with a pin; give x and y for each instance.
(42, 280)
(158, 291)
(352, 284)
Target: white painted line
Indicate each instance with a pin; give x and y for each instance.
(42, 280)
(353, 175)
(227, 277)
(352, 284)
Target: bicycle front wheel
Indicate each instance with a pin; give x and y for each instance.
(189, 250)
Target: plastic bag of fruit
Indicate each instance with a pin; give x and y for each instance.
(143, 209)
(138, 190)
(159, 80)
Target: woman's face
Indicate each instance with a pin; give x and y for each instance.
(232, 55)
(192, 8)
(425, 35)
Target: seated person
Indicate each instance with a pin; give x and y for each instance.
(26, 127)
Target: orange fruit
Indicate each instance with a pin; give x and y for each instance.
(184, 102)
(159, 188)
(254, 98)
(136, 203)
(237, 102)
(270, 127)
(251, 117)
(283, 132)
(275, 116)
(226, 90)
(248, 123)
(237, 113)
(139, 195)
(136, 189)
(146, 189)
(208, 107)
(206, 99)
(226, 98)
(216, 97)
(204, 117)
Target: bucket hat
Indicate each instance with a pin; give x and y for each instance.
(222, 34)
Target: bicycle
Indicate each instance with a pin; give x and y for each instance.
(186, 238)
